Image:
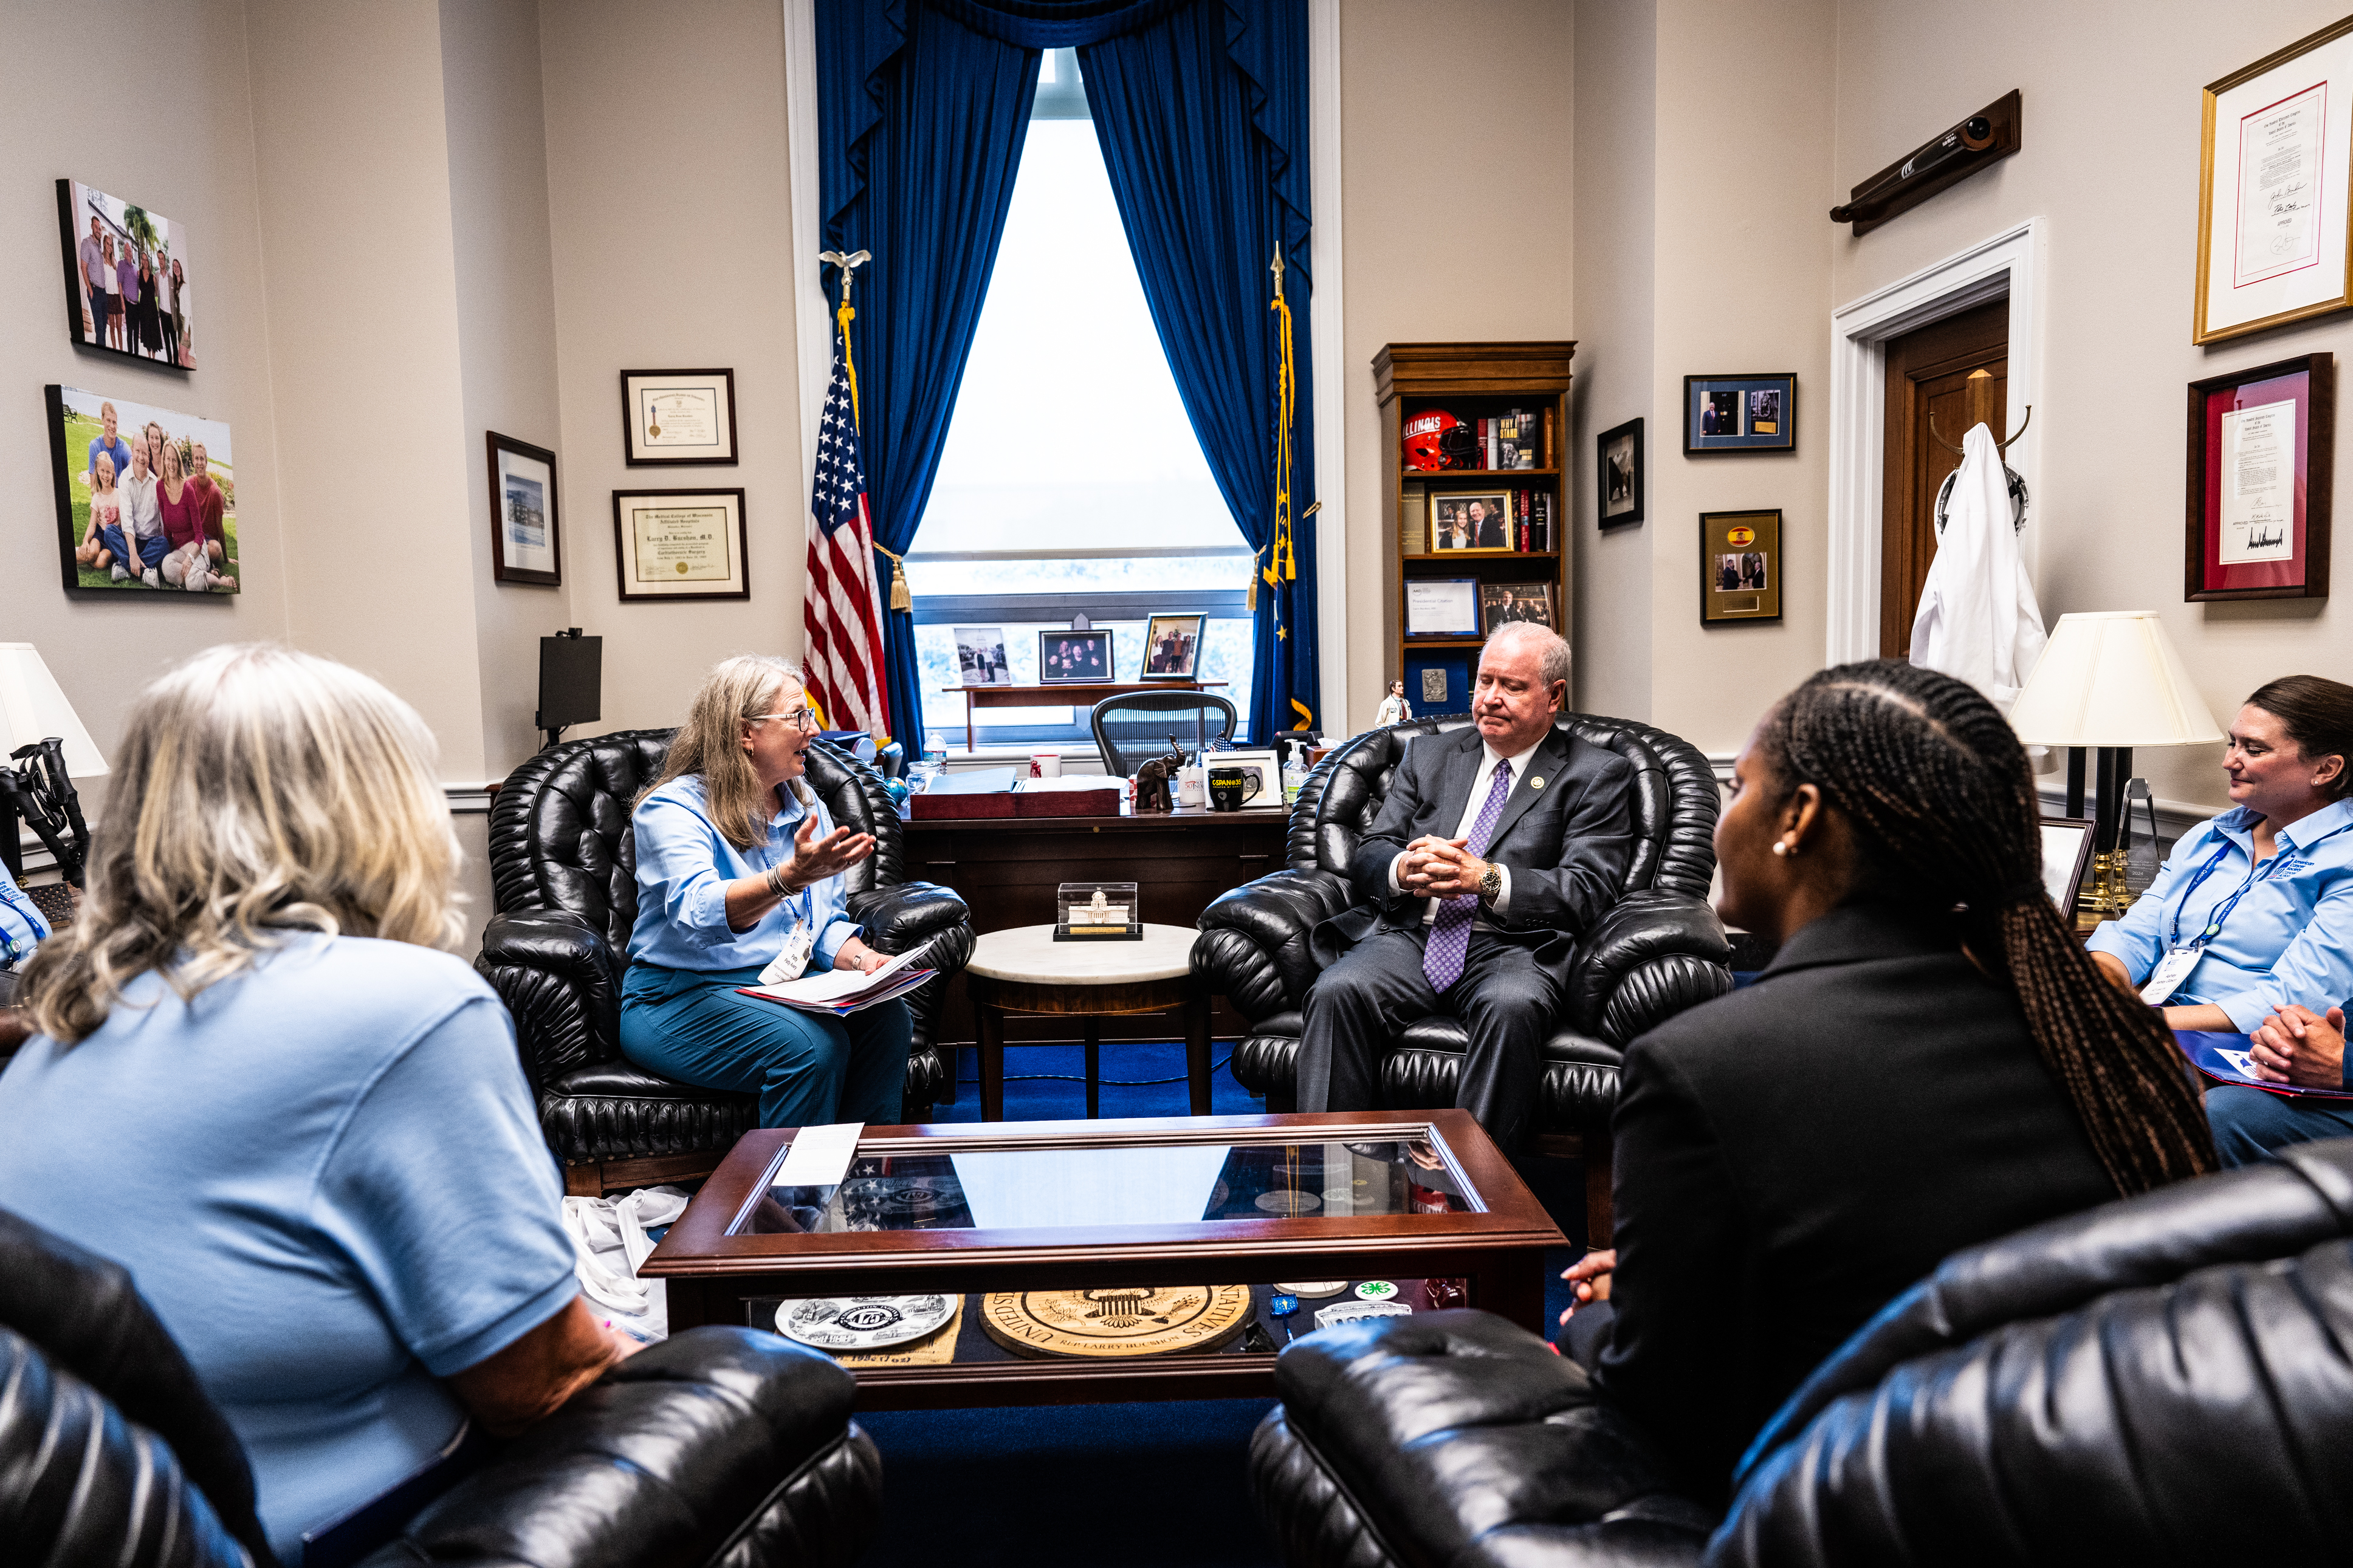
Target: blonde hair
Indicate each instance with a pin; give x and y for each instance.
(711, 743)
(256, 789)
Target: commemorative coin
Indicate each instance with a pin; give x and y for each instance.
(861, 1322)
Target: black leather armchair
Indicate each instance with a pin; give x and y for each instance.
(565, 875)
(1658, 950)
(2163, 1379)
(722, 1446)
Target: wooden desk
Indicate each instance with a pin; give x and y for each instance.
(1070, 694)
(1006, 869)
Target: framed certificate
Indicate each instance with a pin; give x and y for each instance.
(1740, 566)
(1441, 608)
(524, 542)
(674, 416)
(2263, 459)
(2272, 189)
(680, 544)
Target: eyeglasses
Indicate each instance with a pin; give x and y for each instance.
(801, 718)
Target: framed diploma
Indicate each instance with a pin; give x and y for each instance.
(2274, 213)
(524, 543)
(1740, 567)
(2262, 458)
(1441, 608)
(680, 544)
(673, 416)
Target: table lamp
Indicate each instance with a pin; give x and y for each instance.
(46, 750)
(2110, 681)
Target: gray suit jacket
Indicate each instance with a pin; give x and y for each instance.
(1566, 836)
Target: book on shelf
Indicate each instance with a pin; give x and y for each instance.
(1413, 519)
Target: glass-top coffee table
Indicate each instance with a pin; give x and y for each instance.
(1088, 1261)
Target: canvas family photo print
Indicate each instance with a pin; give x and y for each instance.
(146, 497)
(127, 277)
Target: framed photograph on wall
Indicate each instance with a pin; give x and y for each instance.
(114, 466)
(1740, 566)
(525, 546)
(127, 277)
(2272, 189)
(1470, 523)
(980, 657)
(2262, 470)
(680, 544)
(1172, 647)
(1618, 471)
(1740, 413)
(1070, 657)
(678, 417)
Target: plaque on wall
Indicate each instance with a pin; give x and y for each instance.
(1120, 1321)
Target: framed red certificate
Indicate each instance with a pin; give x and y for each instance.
(2261, 473)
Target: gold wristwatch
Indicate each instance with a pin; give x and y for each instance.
(1490, 883)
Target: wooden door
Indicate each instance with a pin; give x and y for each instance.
(1956, 373)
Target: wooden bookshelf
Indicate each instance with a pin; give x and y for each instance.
(1471, 382)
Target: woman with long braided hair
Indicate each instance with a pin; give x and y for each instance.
(1931, 1061)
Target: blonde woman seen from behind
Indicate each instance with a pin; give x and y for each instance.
(319, 1159)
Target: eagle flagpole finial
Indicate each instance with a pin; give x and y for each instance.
(849, 264)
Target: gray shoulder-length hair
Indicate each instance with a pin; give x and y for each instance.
(256, 789)
(711, 743)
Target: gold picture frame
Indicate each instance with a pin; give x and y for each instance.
(1741, 568)
(1451, 518)
(2277, 248)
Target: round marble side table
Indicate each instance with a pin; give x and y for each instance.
(1025, 970)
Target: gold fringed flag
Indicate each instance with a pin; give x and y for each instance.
(1283, 558)
(840, 609)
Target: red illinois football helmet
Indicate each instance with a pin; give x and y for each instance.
(1436, 439)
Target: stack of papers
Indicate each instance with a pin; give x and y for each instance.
(838, 993)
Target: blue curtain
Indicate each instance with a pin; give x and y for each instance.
(1203, 117)
(1201, 107)
(921, 123)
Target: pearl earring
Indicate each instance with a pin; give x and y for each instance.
(1780, 847)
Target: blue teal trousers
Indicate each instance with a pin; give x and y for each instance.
(2250, 1125)
(808, 1071)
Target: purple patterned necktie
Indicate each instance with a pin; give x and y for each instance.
(1449, 933)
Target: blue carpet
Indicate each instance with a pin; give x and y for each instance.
(1165, 1482)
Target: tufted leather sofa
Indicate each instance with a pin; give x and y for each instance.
(722, 1446)
(2166, 1379)
(564, 872)
(1658, 950)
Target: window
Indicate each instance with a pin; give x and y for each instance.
(1070, 482)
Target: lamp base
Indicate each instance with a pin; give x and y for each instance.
(2105, 893)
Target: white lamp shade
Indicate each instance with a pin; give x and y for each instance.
(2111, 677)
(32, 709)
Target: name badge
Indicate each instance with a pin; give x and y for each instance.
(2171, 972)
(790, 963)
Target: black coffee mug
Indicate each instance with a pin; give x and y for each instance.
(1231, 787)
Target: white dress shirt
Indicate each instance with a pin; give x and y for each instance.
(1480, 784)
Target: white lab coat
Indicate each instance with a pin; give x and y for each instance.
(1977, 617)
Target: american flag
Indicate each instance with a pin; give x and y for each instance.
(840, 608)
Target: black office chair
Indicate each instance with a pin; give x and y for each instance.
(1132, 730)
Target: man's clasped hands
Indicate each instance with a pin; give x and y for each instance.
(1436, 867)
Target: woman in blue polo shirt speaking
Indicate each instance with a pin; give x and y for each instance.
(740, 875)
(2254, 911)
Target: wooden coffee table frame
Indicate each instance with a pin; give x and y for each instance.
(1499, 1251)
(993, 999)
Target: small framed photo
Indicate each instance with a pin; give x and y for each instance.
(524, 543)
(1740, 566)
(1068, 657)
(680, 544)
(1618, 466)
(2066, 851)
(1740, 413)
(980, 657)
(146, 499)
(1500, 603)
(1172, 647)
(2262, 470)
(1263, 767)
(1471, 522)
(1441, 608)
(127, 271)
(678, 417)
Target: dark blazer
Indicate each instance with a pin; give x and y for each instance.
(1566, 836)
(1792, 1156)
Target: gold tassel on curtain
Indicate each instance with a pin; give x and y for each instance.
(900, 599)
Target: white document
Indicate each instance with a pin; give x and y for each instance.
(2259, 483)
(2279, 186)
(819, 1156)
(1057, 1187)
(840, 985)
(1441, 608)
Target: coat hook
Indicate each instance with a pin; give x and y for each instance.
(1999, 445)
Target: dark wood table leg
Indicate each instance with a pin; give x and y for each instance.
(988, 1024)
(1512, 1286)
(1197, 1049)
(1094, 1067)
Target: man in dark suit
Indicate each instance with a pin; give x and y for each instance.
(1499, 845)
(1486, 527)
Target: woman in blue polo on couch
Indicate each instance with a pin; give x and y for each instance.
(2253, 910)
(740, 873)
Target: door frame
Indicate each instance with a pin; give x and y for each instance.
(2011, 262)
